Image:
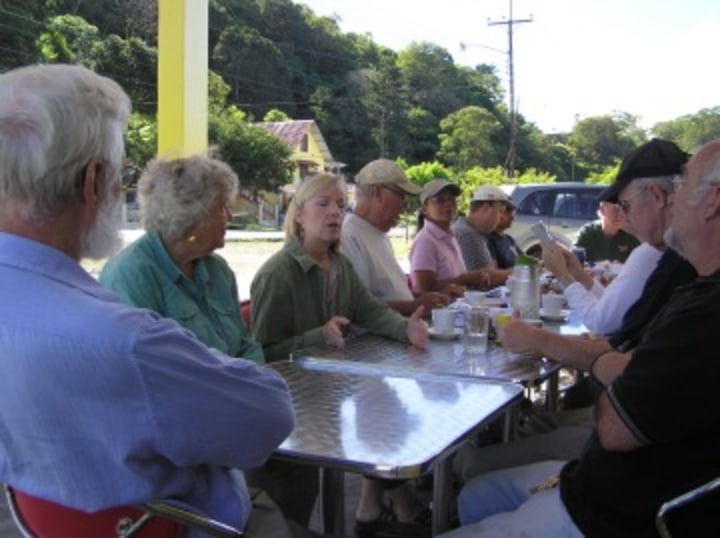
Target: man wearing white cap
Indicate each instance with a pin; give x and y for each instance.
(487, 204)
(380, 198)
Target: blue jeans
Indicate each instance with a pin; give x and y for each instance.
(499, 504)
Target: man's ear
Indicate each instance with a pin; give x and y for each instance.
(91, 182)
(712, 203)
(660, 194)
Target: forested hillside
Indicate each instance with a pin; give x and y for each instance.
(279, 58)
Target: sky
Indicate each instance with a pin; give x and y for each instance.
(656, 59)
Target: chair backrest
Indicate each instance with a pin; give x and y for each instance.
(246, 312)
(39, 518)
(681, 513)
(44, 519)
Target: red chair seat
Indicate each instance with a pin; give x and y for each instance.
(246, 311)
(45, 519)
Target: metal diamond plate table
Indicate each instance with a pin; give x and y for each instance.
(384, 423)
(443, 358)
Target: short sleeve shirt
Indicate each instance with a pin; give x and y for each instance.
(436, 250)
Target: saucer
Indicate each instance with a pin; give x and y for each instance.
(562, 316)
(457, 332)
(494, 301)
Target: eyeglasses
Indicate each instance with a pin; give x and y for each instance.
(625, 205)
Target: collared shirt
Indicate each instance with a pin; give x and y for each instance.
(373, 259)
(473, 245)
(291, 302)
(144, 275)
(105, 405)
(438, 251)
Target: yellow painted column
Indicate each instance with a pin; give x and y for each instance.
(182, 77)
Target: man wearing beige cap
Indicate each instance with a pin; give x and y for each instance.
(380, 198)
(487, 205)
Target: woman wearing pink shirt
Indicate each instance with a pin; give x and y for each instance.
(436, 263)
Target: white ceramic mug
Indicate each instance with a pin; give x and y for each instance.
(552, 304)
(443, 320)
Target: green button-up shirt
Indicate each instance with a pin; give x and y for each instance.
(291, 303)
(144, 275)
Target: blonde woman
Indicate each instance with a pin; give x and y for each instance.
(308, 293)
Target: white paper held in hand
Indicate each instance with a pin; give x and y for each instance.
(541, 232)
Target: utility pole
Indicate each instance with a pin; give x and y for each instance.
(510, 159)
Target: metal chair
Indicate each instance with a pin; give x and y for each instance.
(691, 497)
(38, 518)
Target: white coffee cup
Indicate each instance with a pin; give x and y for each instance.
(552, 304)
(474, 298)
(443, 320)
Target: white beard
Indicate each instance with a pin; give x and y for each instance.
(671, 239)
(103, 238)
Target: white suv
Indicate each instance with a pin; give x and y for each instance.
(564, 207)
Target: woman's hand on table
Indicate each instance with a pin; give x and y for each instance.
(332, 331)
(430, 300)
(453, 290)
(417, 329)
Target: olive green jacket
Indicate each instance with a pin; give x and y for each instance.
(290, 303)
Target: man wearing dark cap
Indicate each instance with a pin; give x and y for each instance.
(379, 199)
(651, 216)
(657, 432)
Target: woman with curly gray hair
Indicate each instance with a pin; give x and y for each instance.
(184, 206)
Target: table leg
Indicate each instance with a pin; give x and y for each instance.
(510, 424)
(333, 501)
(552, 395)
(441, 496)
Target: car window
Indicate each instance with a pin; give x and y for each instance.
(576, 205)
(538, 203)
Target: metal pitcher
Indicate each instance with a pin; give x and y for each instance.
(525, 291)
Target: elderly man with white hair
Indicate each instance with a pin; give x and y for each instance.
(105, 405)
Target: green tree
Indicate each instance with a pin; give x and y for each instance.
(261, 161)
(422, 133)
(69, 39)
(422, 173)
(21, 22)
(254, 67)
(466, 138)
(692, 130)
(600, 140)
(141, 139)
(385, 105)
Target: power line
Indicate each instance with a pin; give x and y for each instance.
(510, 22)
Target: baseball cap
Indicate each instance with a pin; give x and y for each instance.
(489, 193)
(653, 159)
(385, 172)
(435, 186)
